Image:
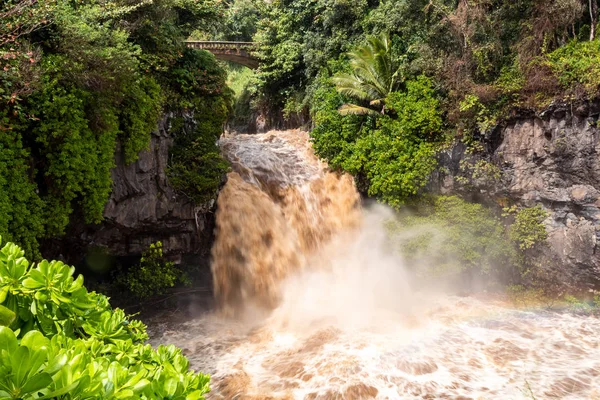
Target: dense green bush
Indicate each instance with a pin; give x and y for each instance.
(61, 341)
(196, 168)
(152, 275)
(140, 112)
(577, 64)
(79, 78)
(446, 235)
(21, 209)
(528, 228)
(395, 151)
(496, 51)
(76, 157)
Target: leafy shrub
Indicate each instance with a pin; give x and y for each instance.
(524, 296)
(76, 80)
(67, 343)
(139, 116)
(196, 167)
(528, 228)
(577, 63)
(21, 209)
(396, 152)
(449, 235)
(76, 159)
(578, 305)
(196, 77)
(153, 275)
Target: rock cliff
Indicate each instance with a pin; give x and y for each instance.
(552, 159)
(143, 208)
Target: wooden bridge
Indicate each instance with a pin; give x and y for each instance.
(238, 52)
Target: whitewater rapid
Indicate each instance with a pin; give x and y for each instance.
(460, 348)
(314, 303)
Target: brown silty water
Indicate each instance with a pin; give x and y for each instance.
(340, 318)
(278, 207)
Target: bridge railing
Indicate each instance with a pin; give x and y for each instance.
(218, 45)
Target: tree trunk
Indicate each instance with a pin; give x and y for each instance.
(593, 6)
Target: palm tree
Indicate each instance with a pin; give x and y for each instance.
(374, 76)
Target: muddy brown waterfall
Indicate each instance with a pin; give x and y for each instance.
(344, 319)
(279, 205)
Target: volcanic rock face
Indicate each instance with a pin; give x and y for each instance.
(550, 159)
(144, 208)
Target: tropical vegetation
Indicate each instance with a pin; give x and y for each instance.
(482, 60)
(79, 80)
(383, 85)
(59, 341)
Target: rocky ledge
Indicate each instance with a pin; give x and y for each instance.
(552, 159)
(143, 208)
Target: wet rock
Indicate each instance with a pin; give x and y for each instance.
(550, 159)
(143, 208)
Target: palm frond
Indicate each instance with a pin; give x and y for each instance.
(373, 77)
(353, 109)
(349, 86)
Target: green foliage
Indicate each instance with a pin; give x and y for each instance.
(77, 159)
(68, 343)
(76, 80)
(153, 275)
(478, 112)
(524, 296)
(374, 76)
(395, 152)
(240, 20)
(140, 112)
(297, 40)
(448, 235)
(528, 228)
(239, 78)
(478, 173)
(241, 81)
(196, 167)
(195, 76)
(21, 208)
(577, 64)
(7, 316)
(504, 54)
(511, 79)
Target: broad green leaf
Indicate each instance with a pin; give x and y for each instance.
(170, 386)
(20, 365)
(7, 316)
(35, 340)
(3, 293)
(36, 383)
(36, 280)
(8, 340)
(56, 364)
(62, 391)
(195, 395)
(125, 394)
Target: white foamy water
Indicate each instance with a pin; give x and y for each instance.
(342, 318)
(457, 348)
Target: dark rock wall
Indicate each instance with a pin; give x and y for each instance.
(143, 208)
(550, 159)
